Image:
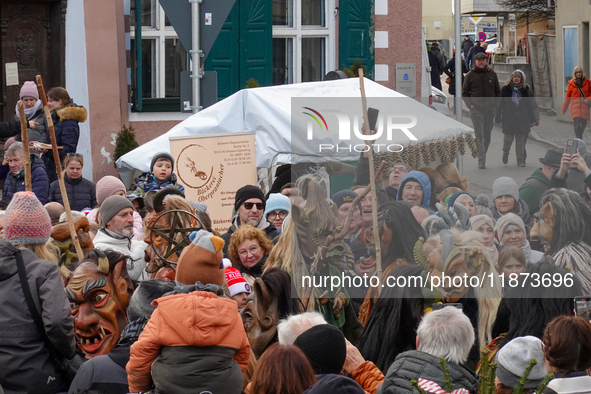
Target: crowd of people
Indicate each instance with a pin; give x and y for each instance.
(161, 302)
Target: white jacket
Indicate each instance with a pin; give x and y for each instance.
(135, 249)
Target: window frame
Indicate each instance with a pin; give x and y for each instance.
(297, 32)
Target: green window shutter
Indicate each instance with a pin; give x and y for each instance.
(224, 55)
(256, 42)
(356, 34)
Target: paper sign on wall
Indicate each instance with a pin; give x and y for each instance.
(11, 74)
(212, 167)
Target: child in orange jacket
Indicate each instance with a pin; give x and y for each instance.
(193, 342)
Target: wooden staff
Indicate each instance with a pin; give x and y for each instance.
(372, 180)
(58, 166)
(25, 140)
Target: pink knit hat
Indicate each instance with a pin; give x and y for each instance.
(29, 89)
(108, 186)
(26, 221)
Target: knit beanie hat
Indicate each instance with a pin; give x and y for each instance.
(335, 384)
(277, 201)
(26, 222)
(509, 219)
(505, 186)
(108, 186)
(513, 358)
(450, 200)
(247, 192)
(140, 304)
(29, 89)
(324, 346)
(477, 221)
(161, 155)
(236, 283)
(112, 206)
(198, 206)
(202, 261)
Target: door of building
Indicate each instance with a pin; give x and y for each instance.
(32, 35)
(244, 48)
(356, 33)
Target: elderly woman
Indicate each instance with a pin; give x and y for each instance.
(81, 192)
(567, 352)
(511, 232)
(248, 251)
(506, 200)
(15, 180)
(465, 199)
(277, 209)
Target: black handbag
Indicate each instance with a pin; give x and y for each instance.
(62, 365)
(583, 96)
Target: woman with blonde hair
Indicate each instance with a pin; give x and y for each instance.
(577, 96)
(248, 250)
(447, 175)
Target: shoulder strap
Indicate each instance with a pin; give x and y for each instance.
(581, 91)
(22, 274)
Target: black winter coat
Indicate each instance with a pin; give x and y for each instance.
(67, 133)
(450, 71)
(516, 118)
(81, 193)
(16, 183)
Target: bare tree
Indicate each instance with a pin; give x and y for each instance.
(530, 11)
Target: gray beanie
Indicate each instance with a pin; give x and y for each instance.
(140, 304)
(112, 206)
(505, 186)
(513, 359)
(508, 219)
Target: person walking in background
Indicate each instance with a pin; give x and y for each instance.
(450, 71)
(516, 114)
(467, 44)
(577, 96)
(480, 92)
(475, 50)
(435, 70)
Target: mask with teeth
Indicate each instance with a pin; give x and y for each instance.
(99, 290)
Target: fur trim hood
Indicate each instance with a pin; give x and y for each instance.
(74, 113)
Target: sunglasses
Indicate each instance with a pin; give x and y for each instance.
(249, 205)
(74, 155)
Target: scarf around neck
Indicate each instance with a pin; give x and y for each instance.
(29, 112)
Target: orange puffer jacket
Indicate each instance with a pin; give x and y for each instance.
(578, 109)
(199, 319)
(368, 376)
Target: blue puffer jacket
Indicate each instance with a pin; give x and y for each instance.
(67, 133)
(147, 182)
(423, 180)
(81, 193)
(16, 183)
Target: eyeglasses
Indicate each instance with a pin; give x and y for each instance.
(253, 250)
(399, 169)
(281, 214)
(249, 205)
(74, 155)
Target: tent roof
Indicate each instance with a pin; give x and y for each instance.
(267, 112)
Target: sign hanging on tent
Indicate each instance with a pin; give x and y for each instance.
(212, 167)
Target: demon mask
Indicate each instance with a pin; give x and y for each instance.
(62, 239)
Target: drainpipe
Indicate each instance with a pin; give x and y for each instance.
(196, 54)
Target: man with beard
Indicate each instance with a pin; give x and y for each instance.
(388, 194)
(249, 206)
(99, 290)
(117, 233)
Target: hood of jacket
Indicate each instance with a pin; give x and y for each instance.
(7, 260)
(72, 113)
(423, 180)
(538, 175)
(200, 318)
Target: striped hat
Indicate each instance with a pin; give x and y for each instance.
(26, 220)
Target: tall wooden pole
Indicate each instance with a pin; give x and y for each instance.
(25, 140)
(58, 167)
(372, 181)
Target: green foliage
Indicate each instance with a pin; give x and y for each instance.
(542, 386)
(125, 142)
(415, 384)
(252, 83)
(448, 383)
(353, 72)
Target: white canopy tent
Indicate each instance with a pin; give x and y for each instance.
(267, 111)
